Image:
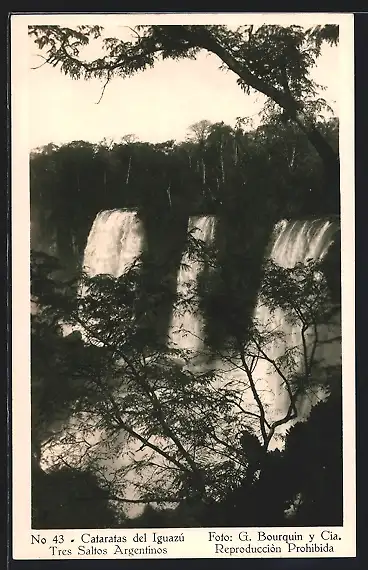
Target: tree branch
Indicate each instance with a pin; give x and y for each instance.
(103, 90)
(156, 407)
(262, 418)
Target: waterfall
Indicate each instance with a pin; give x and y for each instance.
(297, 241)
(114, 242)
(186, 331)
(116, 239)
(294, 242)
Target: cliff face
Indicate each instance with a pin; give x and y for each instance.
(244, 178)
(242, 245)
(41, 240)
(57, 239)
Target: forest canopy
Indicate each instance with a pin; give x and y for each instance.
(271, 168)
(117, 404)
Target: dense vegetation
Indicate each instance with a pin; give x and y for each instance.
(271, 170)
(202, 446)
(127, 381)
(270, 59)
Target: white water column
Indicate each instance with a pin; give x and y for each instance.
(114, 242)
(116, 239)
(295, 242)
(187, 326)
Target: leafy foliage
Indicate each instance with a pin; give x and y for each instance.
(272, 60)
(69, 498)
(152, 426)
(284, 68)
(117, 400)
(270, 170)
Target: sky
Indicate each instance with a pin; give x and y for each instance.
(156, 105)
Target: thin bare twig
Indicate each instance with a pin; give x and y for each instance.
(134, 32)
(103, 89)
(46, 60)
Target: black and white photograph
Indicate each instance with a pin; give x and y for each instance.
(184, 336)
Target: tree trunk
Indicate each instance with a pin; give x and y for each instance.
(330, 159)
(292, 108)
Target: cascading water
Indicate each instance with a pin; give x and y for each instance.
(114, 242)
(292, 242)
(296, 242)
(187, 325)
(116, 239)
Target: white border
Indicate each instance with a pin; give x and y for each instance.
(196, 543)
